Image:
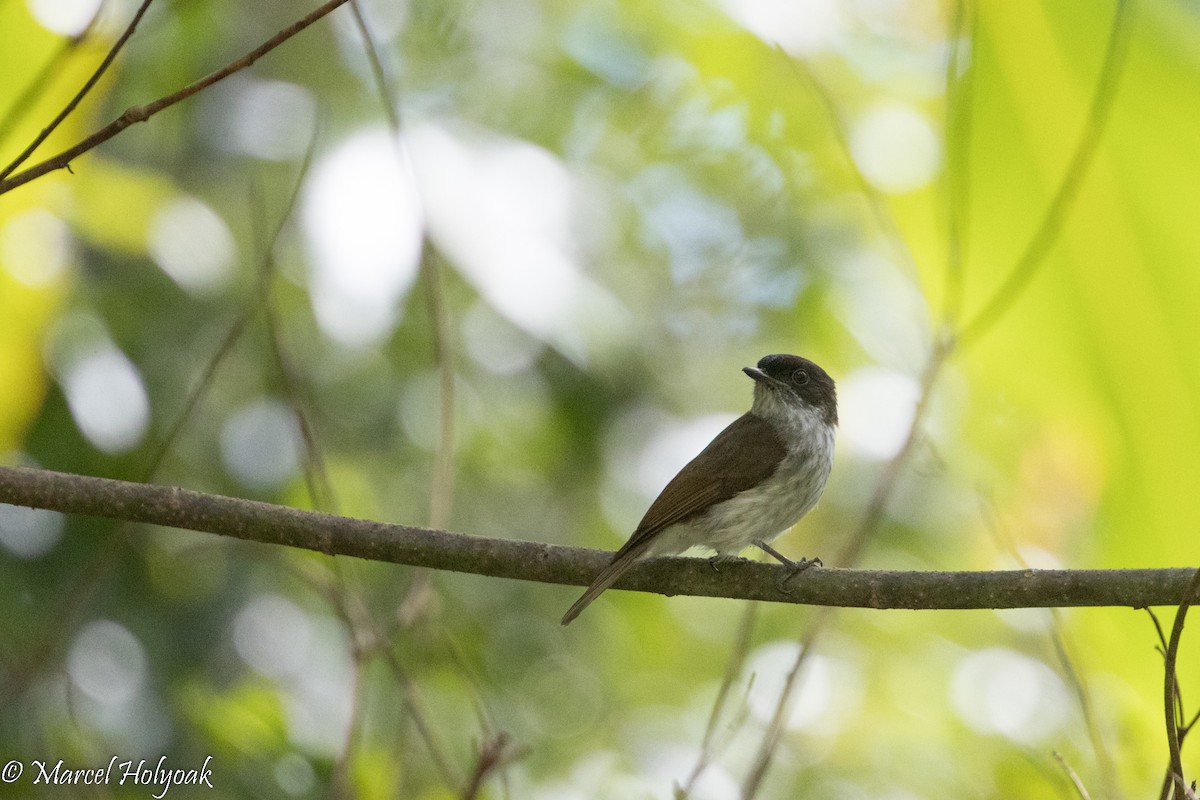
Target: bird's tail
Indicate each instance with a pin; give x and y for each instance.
(607, 577)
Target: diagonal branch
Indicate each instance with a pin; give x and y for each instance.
(576, 566)
(38, 85)
(82, 93)
(138, 114)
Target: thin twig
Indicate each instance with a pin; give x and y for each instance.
(340, 782)
(783, 708)
(494, 755)
(1170, 689)
(1058, 642)
(1072, 776)
(420, 720)
(733, 668)
(1167, 783)
(316, 476)
(138, 114)
(82, 93)
(441, 490)
(382, 84)
(238, 328)
(40, 83)
(367, 643)
(1103, 757)
(852, 550)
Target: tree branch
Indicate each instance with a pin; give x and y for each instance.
(82, 93)
(138, 114)
(575, 566)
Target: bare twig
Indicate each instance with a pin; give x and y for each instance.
(1171, 690)
(382, 84)
(1072, 776)
(1058, 642)
(138, 114)
(82, 93)
(1184, 728)
(1168, 784)
(783, 708)
(40, 83)
(416, 712)
(238, 328)
(441, 490)
(368, 642)
(316, 476)
(494, 755)
(853, 548)
(340, 781)
(737, 658)
(1103, 757)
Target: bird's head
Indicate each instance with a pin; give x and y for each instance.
(784, 383)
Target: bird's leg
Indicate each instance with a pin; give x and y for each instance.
(796, 566)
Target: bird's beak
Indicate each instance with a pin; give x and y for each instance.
(759, 376)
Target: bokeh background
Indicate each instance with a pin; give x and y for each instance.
(595, 213)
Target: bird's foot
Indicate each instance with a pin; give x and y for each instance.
(796, 567)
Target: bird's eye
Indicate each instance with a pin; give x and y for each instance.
(800, 377)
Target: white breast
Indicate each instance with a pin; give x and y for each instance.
(763, 513)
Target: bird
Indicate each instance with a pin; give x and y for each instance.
(754, 481)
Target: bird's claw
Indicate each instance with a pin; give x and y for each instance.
(796, 567)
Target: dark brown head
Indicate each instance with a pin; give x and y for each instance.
(795, 381)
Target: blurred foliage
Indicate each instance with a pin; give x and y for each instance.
(624, 203)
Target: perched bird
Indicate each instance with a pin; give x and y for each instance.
(753, 482)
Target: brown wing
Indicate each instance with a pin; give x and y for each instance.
(741, 457)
